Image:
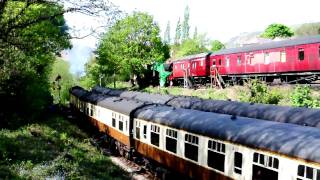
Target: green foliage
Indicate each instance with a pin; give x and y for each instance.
(185, 24)
(53, 149)
(129, 46)
(308, 29)
(191, 46)
(61, 68)
(277, 30)
(260, 93)
(301, 97)
(217, 45)
(28, 44)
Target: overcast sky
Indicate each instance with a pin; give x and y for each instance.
(220, 19)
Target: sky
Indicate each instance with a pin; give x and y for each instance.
(219, 19)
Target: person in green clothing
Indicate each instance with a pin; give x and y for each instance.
(163, 74)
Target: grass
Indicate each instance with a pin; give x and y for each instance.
(54, 149)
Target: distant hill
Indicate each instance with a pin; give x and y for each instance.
(250, 38)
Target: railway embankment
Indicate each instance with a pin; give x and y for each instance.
(53, 148)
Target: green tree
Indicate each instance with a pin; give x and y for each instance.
(185, 24)
(217, 45)
(177, 37)
(130, 45)
(277, 30)
(32, 34)
(166, 37)
(192, 46)
(308, 29)
(29, 42)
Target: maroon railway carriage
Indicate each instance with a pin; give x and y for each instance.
(196, 66)
(288, 60)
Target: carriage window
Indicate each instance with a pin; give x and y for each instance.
(171, 140)
(155, 135)
(113, 122)
(114, 119)
(216, 155)
(266, 161)
(137, 129)
(301, 54)
(191, 147)
(283, 57)
(145, 131)
(305, 172)
(238, 162)
(238, 60)
(266, 58)
(120, 125)
(227, 61)
(214, 62)
(201, 62)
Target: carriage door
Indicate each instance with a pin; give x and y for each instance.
(264, 167)
(303, 58)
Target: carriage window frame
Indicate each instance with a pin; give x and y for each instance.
(239, 60)
(145, 131)
(301, 54)
(216, 152)
(172, 137)
(307, 173)
(283, 56)
(266, 161)
(113, 123)
(266, 58)
(227, 61)
(120, 124)
(191, 147)
(155, 135)
(238, 161)
(138, 125)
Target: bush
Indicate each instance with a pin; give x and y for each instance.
(260, 93)
(301, 97)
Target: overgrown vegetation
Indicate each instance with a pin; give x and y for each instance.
(53, 149)
(301, 97)
(260, 93)
(255, 92)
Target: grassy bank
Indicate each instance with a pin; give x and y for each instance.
(281, 95)
(54, 148)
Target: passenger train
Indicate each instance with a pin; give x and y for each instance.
(203, 145)
(288, 60)
(294, 115)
